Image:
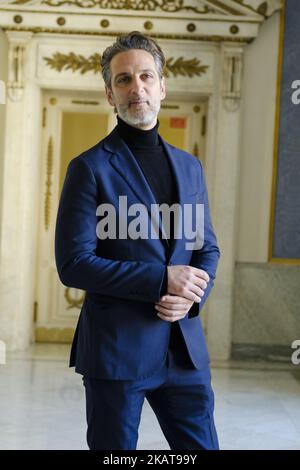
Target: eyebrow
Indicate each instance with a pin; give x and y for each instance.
(127, 73)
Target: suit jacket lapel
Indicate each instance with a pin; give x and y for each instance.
(185, 190)
(126, 165)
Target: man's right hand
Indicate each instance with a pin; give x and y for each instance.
(187, 281)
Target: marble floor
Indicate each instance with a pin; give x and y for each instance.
(42, 404)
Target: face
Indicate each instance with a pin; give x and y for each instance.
(136, 90)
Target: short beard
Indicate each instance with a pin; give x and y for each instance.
(138, 121)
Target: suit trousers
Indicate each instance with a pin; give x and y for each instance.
(180, 396)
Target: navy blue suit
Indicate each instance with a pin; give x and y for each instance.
(119, 336)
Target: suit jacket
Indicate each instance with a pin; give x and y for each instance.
(119, 335)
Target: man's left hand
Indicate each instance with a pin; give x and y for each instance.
(173, 307)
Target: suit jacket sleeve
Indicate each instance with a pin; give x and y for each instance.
(207, 257)
(76, 242)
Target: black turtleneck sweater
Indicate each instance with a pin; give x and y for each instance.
(150, 155)
(153, 161)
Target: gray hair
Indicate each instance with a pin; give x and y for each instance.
(125, 42)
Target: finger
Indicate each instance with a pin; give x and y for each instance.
(172, 299)
(197, 290)
(170, 313)
(200, 282)
(165, 311)
(192, 292)
(190, 295)
(197, 281)
(168, 299)
(173, 307)
(169, 306)
(200, 273)
(170, 319)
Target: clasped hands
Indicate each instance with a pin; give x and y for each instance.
(186, 285)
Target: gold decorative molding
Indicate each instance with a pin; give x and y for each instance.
(242, 8)
(175, 37)
(77, 62)
(85, 102)
(261, 9)
(196, 150)
(234, 29)
(184, 67)
(276, 137)
(48, 183)
(61, 21)
(54, 335)
(18, 19)
(232, 78)
(73, 302)
(17, 64)
(230, 9)
(203, 126)
(44, 116)
(148, 25)
(167, 6)
(191, 27)
(104, 23)
(170, 106)
(264, 8)
(35, 311)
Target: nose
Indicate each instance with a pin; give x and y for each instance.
(137, 86)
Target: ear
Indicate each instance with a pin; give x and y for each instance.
(163, 90)
(110, 96)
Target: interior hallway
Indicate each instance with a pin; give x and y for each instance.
(42, 404)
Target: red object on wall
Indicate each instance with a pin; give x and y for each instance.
(178, 122)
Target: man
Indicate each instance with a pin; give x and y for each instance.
(139, 334)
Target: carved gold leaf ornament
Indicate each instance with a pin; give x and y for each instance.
(20, 2)
(74, 301)
(169, 6)
(77, 62)
(184, 67)
(261, 8)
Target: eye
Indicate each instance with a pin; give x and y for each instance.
(123, 80)
(147, 76)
